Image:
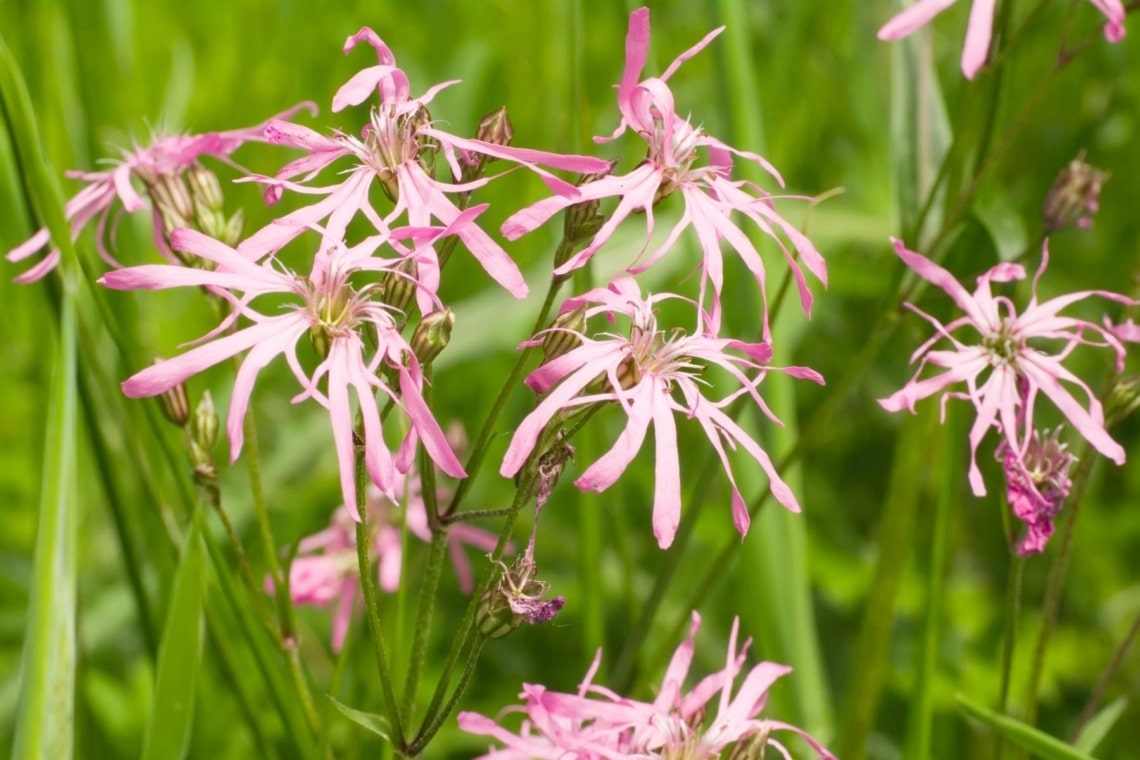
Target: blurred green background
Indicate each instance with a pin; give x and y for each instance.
(105, 74)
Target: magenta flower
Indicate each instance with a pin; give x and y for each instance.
(598, 723)
(1004, 354)
(326, 306)
(645, 372)
(674, 164)
(326, 570)
(980, 27)
(1037, 484)
(396, 150)
(166, 156)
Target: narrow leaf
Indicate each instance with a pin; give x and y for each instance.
(1028, 738)
(179, 657)
(373, 722)
(1100, 725)
(44, 724)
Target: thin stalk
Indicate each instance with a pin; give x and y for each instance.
(426, 736)
(214, 499)
(232, 672)
(439, 542)
(371, 601)
(1055, 582)
(286, 621)
(472, 515)
(487, 430)
(1009, 645)
(1105, 679)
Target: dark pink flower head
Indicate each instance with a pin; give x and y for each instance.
(1037, 484)
(597, 723)
(676, 163)
(326, 569)
(1005, 367)
(397, 149)
(980, 27)
(167, 156)
(651, 374)
(325, 306)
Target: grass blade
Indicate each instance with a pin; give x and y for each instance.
(1036, 742)
(1101, 723)
(179, 657)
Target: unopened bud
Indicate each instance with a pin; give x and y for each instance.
(496, 128)
(175, 405)
(204, 428)
(550, 467)
(582, 221)
(494, 618)
(230, 233)
(564, 335)
(399, 286)
(432, 335)
(205, 188)
(1122, 400)
(171, 197)
(1074, 197)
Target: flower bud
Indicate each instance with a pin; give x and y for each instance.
(204, 428)
(175, 405)
(399, 286)
(496, 128)
(432, 335)
(494, 618)
(171, 197)
(582, 221)
(550, 467)
(564, 335)
(1074, 197)
(1122, 400)
(205, 188)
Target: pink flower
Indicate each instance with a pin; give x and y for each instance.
(1004, 349)
(1037, 484)
(598, 723)
(673, 164)
(325, 305)
(326, 570)
(644, 372)
(166, 156)
(980, 26)
(396, 150)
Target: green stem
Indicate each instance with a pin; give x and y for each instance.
(438, 551)
(426, 736)
(371, 600)
(487, 430)
(1055, 583)
(1105, 679)
(214, 499)
(1009, 646)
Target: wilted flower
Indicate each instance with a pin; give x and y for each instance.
(980, 28)
(326, 570)
(598, 723)
(396, 150)
(325, 306)
(1074, 197)
(1037, 484)
(1017, 371)
(645, 372)
(674, 164)
(165, 160)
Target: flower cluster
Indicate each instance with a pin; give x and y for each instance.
(1005, 368)
(598, 723)
(326, 571)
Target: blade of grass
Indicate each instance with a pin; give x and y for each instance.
(1037, 742)
(168, 730)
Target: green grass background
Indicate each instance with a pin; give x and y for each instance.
(107, 73)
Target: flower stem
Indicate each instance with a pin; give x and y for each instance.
(1105, 679)
(1055, 583)
(483, 440)
(430, 731)
(1009, 645)
(439, 541)
(371, 600)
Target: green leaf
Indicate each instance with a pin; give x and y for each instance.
(1028, 738)
(179, 657)
(1097, 728)
(377, 724)
(44, 724)
(1004, 227)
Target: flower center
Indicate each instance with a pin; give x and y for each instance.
(675, 157)
(1004, 345)
(390, 141)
